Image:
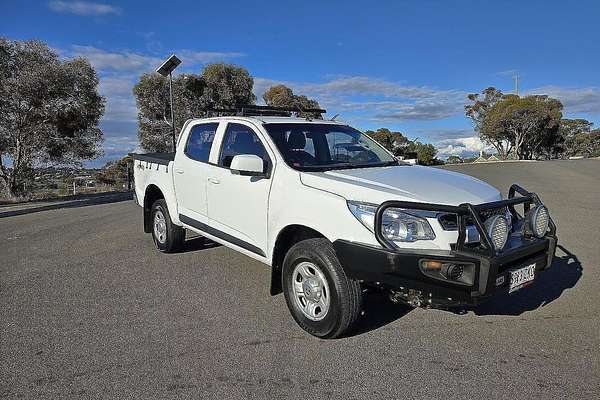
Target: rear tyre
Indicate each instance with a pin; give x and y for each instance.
(321, 298)
(167, 236)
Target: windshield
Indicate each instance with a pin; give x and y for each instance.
(313, 146)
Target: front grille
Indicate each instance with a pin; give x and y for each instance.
(449, 222)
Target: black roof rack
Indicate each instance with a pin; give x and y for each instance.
(253, 110)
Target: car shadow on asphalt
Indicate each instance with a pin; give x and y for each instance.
(378, 312)
(563, 274)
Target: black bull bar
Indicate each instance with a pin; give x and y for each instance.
(465, 212)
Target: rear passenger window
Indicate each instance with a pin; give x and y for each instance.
(240, 139)
(200, 141)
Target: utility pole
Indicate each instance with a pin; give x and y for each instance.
(516, 77)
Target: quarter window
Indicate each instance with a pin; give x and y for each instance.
(241, 139)
(200, 141)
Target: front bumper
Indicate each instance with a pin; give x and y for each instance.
(399, 269)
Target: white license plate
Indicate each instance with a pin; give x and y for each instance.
(520, 277)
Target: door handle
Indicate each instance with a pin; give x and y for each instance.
(179, 170)
(214, 181)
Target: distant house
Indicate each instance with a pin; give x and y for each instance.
(482, 158)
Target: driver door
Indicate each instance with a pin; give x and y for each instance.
(237, 204)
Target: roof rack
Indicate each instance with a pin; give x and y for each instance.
(254, 110)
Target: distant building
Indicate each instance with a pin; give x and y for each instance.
(482, 158)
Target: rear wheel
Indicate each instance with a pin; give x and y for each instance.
(167, 236)
(321, 298)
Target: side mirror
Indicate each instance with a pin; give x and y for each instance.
(247, 164)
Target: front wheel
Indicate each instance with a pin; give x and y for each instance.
(167, 236)
(321, 298)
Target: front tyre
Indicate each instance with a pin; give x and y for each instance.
(167, 236)
(321, 298)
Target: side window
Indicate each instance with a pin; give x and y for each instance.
(200, 141)
(240, 139)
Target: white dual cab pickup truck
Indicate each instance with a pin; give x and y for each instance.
(333, 212)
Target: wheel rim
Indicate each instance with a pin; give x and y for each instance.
(311, 291)
(160, 226)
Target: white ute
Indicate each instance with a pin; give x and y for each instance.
(333, 212)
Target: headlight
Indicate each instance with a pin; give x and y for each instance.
(538, 221)
(497, 229)
(397, 225)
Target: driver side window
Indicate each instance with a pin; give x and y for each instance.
(241, 139)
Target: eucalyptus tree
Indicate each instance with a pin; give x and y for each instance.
(283, 96)
(49, 112)
(219, 86)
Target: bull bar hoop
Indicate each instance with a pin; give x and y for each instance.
(464, 212)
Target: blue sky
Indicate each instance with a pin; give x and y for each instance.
(405, 65)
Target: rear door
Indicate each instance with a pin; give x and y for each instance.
(237, 204)
(190, 171)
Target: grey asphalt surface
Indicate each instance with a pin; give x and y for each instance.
(88, 309)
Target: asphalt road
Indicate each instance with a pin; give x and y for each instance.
(90, 310)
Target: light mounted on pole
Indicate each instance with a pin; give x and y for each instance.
(165, 69)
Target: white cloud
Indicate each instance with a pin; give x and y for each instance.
(575, 100)
(119, 143)
(120, 104)
(83, 8)
(376, 99)
(115, 86)
(120, 70)
(439, 134)
(462, 147)
(104, 60)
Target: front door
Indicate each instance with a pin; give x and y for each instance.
(237, 204)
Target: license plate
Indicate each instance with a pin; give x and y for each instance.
(520, 277)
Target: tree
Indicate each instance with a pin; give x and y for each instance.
(426, 152)
(530, 124)
(227, 86)
(454, 159)
(595, 143)
(477, 112)
(154, 108)
(283, 96)
(49, 111)
(219, 86)
(114, 172)
(584, 144)
(395, 142)
(575, 139)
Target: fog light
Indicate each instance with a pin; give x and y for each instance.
(497, 229)
(453, 271)
(539, 220)
(458, 272)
